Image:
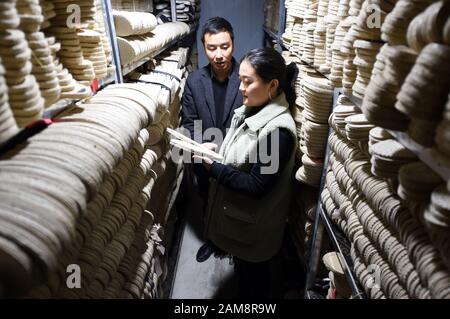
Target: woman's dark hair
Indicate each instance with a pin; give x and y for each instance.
(270, 65)
(216, 25)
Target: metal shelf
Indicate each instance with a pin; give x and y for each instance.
(341, 245)
(317, 70)
(126, 70)
(105, 81)
(271, 33)
(59, 107)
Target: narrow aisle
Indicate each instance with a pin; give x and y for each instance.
(213, 278)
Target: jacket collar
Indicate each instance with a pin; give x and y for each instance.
(267, 113)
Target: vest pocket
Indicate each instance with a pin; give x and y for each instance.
(239, 218)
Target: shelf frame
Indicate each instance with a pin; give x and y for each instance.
(173, 10)
(111, 30)
(338, 246)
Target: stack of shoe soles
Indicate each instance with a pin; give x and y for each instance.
(92, 48)
(303, 71)
(320, 35)
(101, 28)
(357, 131)
(187, 11)
(24, 95)
(376, 135)
(348, 68)
(133, 23)
(357, 229)
(102, 47)
(318, 98)
(359, 56)
(296, 46)
(412, 234)
(442, 138)
(309, 222)
(133, 5)
(344, 108)
(366, 52)
(395, 26)
(91, 18)
(68, 86)
(71, 54)
(309, 25)
(416, 182)
(383, 233)
(336, 215)
(380, 95)
(48, 11)
(388, 156)
(168, 81)
(299, 102)
(331, 20)
(290, 21)
(428, 84)
(380, 61)
(313, 139)
(437, 221)
(64, 13)
(295, 9)
(331, 208)
(175, 59)
(430, 26)
(338, 57)
(135, 47)
(8, 126)
(311, 171)
(299, 34)
(94, 207)
(43, 69)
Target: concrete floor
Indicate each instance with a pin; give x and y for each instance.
(213, 278)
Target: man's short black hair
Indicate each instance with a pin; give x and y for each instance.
(216, 25)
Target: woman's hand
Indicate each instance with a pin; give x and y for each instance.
(211, 146)
(206, 161)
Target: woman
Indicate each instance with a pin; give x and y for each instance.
(250, 191)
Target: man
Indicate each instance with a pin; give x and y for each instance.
(211, 95)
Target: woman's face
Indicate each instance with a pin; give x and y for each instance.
(255, 91)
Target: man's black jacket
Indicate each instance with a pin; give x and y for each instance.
(198, 101)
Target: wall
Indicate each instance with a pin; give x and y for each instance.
(246, 17)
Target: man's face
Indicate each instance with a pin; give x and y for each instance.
(219, 50)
